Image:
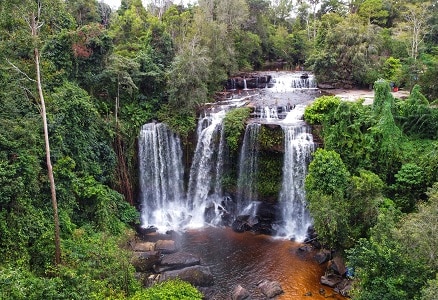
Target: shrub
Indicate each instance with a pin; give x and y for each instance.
(314, 114)
(174, 289)
(234, 126)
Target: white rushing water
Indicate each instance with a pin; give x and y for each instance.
(161, 178)
(248, 167)
(298, 148)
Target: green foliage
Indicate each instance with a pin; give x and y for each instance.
(94, 267)
(415, 227)
(187, 79)
(181, 122)
(349, 51)
(100, 258)
(104, 206)
(270, 138)
(78, 131)
(234, 126)
(365, 198)
(327, 174)
(398, 262)
(248, 48)
(392, 70)
(374, 11)
(430, 291)
(345, 131)
(174, 289)
(268, 183)
(416, 117)
(325, 185)
(387, 137)
(316, 112)
(409, 186)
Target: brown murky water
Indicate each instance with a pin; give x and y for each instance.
(246, 259)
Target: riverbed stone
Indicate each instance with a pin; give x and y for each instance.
(178, 260)
(337, 266)
(240, 293)
(270, 289)
(331, 280)
(323, 256)
(143, 246)
(196, 275)
(166, 246)
(144, 261)
(344, 287)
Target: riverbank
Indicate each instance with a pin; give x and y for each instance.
(355, 94)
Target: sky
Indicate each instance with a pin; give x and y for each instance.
(116, 3)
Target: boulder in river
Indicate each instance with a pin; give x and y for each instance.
(178, 260)
(165, 246)
(145, 261)
(270, 289)
(240, 293)
(196, 275)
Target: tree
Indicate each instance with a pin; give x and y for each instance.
(281, 10)
(326, 185)
(346, 53)
(415, 26)
(84, 11)
(34, 25)
(399, 260)
(416, 117)
(373, 11)
(419, 231)
(386, 136)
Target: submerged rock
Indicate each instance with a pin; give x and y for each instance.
(270, 288)
(323, 256)
(240, 293)
(178, 260)
(166, 246)
(196, 275)
(241, 224)
(145, 261)
(337, 266)
(143, 246)
(331, 280)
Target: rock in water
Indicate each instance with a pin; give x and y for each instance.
(240, 293)
(270, 288)
(196, 275)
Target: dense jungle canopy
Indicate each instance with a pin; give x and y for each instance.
(104, 73)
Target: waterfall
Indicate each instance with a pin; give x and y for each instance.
(204, 190)
(299, 146)
(161, 178)
(244, 85)
(307, 82)
(270, 114)
(248, 167)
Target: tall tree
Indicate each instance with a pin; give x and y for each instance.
(33, 20)
(414, 25)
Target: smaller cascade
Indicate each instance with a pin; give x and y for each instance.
(248, 167)
(299, 147)
(161, 178)
(303, 81)
(204, 189)
(245, 87)
(270, 114)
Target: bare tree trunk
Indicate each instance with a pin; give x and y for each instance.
(34, 28)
